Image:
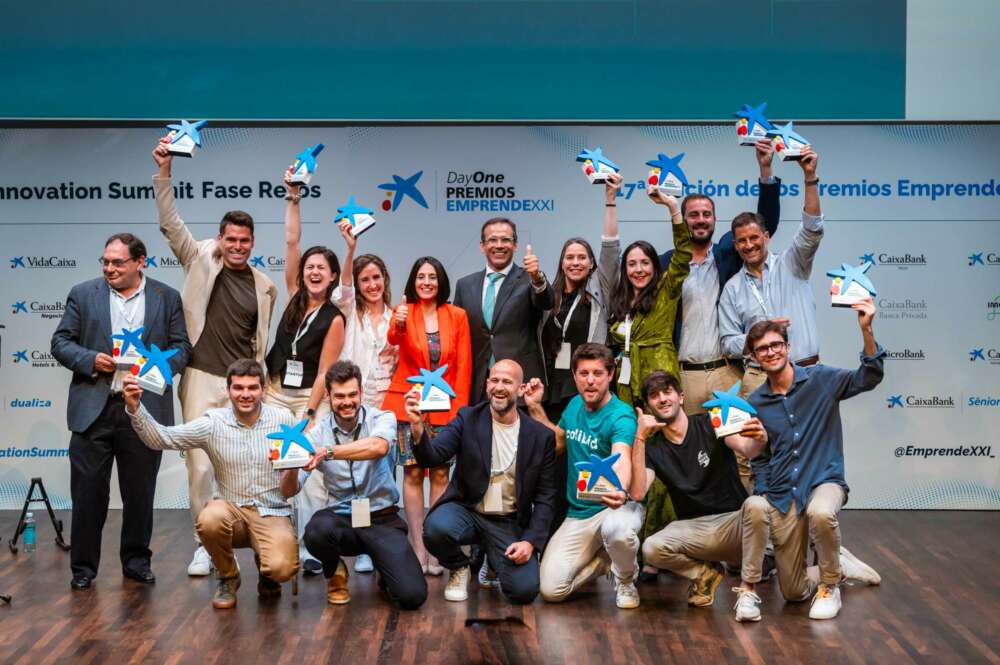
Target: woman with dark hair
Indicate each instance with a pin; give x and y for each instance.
(308, 340)
(433, 334)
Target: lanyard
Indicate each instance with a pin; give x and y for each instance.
(303, 329)
(350, 463)
(628, 332)
(569, 316)
(761, 300)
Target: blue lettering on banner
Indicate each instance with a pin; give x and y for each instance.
(33, 452)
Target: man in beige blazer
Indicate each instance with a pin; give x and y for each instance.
(227, 309)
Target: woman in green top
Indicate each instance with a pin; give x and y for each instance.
(643, 310)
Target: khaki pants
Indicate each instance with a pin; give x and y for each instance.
(699, 384)
(686, 547)
(313, 495)
(791, 534)
(612, 535)
(198, 392)
(224, 526)
(753, 378)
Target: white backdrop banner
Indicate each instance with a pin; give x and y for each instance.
(921, 201)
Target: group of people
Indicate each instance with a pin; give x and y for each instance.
(611, 359)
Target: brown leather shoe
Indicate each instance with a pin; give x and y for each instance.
(225, 593)
(336, 587)
(267, 588)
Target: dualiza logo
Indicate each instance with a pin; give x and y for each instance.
(901, 401)
(38, 262)
(903, 261)
(30, 403)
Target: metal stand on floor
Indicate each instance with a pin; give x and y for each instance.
(5, 598)
(30, 499)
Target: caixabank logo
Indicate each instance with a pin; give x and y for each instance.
(35, 358)
(489, 192)
(903, 309)
(984, 259)
(41, 263)
(165, 262)
(400, 189)
(40, 308)
(901, 401)
(984, 356)
(267, 262)
(901, 260)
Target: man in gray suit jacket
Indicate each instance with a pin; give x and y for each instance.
(101, 430)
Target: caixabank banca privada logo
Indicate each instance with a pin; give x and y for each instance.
(901, 260)
(41, 263)
(903, 309)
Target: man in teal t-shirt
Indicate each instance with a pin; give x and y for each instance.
(594, 533)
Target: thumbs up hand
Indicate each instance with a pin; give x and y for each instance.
(531, 267)
(401, 313)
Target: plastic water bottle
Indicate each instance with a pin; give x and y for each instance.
(29, 533)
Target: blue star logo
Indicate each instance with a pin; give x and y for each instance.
(787, 134)
(349, 210)
(257, 262)
(755, 116)
(20, 356)
(894, 401)
(19, 306)
(293, 434)
(130, 338)
(596, 156)
(854, 274)
(158, 359)
(726, 399)
(404, 187)
(976, 259)
(17, 262)
(867, 258)
(667, 166)
(430, 380)
(186, 128)
(307, 158)
(976, 354)
(151, 262)
(600, 468)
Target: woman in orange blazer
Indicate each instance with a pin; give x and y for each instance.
(430, 333)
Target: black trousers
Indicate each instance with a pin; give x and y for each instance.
(451, 525)
(329, 536)
(111, 439)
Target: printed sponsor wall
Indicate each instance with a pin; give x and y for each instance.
(920, 201)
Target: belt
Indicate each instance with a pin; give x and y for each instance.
(701, 367)
(808, 362)
(391, 510)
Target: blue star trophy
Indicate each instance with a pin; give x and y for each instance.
(595, 165)
(597, 478)
(185, 138)
(153, 370)
(302, 169)
(665, 174)
(850, 284)
(127, 347)
(728, 411)
(787, 142)
(435, 393)
(752, 124)
(291, 449)
(360, 217)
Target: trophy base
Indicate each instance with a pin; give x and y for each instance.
(598, 176)
(283, 464)
(432, 407)
(844, 301)
(157, 386)
(364, 222)
(791, 157)
(669, 190)
(300, 177)
(182, 147)
(750, 140)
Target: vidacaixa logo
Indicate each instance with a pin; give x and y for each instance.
(902, 261)
(901, 401)
(40, 262)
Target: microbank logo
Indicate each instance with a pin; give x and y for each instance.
(985, 259)
(901, 261)
(162, 262)
(400, 189)
(984, 355)
(920, 402)
(41, 262)
(268, 262)
(905, 354)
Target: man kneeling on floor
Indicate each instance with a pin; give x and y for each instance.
(355, 449)
(249, 510)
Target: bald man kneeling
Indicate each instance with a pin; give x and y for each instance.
(503, 492)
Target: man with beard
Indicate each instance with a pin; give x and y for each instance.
(503, 492)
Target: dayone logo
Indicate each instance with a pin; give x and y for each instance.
(39, 262)
(483, 191)
(45, 310)
(984, 259)
(902, 261)
(401, 188)
(901, 401)
(988, 356)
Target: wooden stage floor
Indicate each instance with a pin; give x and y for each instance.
(938, 603)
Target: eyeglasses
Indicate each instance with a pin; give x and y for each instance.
(499, 240)
(768, 349)
(117, 263)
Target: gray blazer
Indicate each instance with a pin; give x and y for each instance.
(85, 331)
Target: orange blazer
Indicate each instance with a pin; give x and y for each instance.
(456, 352)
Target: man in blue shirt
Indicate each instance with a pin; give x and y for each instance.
(354, 452)
(800, 483)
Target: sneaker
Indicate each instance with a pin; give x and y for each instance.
(363, 564)
(457, 588)
(487, 578)
(702, 591)
(747, 605)
(853, 568)
(337, 592)
(768, 568)
(826, 602)
(225, 593)
(435, 570)
(201, 563)
(311, 567)
(626, 596)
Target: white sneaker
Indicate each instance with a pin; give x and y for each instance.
(201, 563)
(854, 568)
(363, 564)
(826, 602)
(457, 588)
(626, 596)
(487, 578)
(747, 605)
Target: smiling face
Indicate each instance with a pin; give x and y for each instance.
(236, 243)
(371, 283)
(751, 244)
(638, 268)
(317, 276)
(665, 404)
(504, 386)
(245, 393)
(593, 382)
(771, 352)
(121, 271)
(426, 283)
(345, 400)
(576, 264)
(699, 215)
(498, 245)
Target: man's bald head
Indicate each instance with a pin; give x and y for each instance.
(503, 386)
(510, 367)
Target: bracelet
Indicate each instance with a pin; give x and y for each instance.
(294, 198)
(610, 205)
(814, 181)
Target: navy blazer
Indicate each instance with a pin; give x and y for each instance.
(727, 261)
(85, 331)
(514, 333)
(469, 436)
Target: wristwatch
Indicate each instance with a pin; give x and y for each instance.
(329, 453)
(311, 413)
